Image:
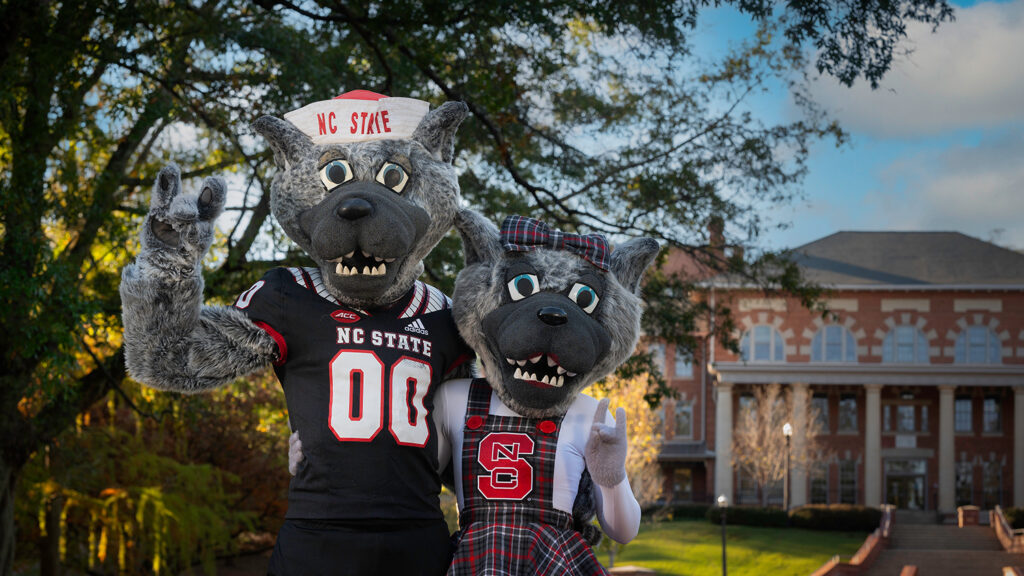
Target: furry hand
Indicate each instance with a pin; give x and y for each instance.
(179, 228)
(295, 455)
(606, 448)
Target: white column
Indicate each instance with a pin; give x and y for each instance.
(1018, 445)
(873, 445)
(798, 476)
(947, 456)
(723, 441)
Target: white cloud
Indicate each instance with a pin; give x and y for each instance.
(977, 190)
(968, 74)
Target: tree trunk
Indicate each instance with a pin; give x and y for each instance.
(49, 545)
(7, 479)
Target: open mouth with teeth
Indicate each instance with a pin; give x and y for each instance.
(541, 370)
(361, 263)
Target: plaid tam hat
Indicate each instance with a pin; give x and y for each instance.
(522, 234)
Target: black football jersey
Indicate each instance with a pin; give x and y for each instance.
(359, 385)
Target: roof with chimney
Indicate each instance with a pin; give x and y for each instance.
(909, 259)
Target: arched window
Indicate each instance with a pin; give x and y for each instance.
(833, 343)
(905, 345)
(763, 343)
(978, 345)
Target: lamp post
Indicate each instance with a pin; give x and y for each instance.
(787, 431)
(723, 503)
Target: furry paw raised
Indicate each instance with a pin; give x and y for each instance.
(606, 449)
(179, 228)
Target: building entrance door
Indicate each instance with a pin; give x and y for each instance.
(905, 492)
(905, 482)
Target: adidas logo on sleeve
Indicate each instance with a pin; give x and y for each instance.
(417, 327)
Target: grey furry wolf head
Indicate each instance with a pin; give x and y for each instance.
(367, 212)
(546, 323)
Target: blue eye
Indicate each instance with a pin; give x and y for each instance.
(522, 286)
(335, 173)
(584, 296)
(393, 176)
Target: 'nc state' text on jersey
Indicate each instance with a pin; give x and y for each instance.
(349, 335)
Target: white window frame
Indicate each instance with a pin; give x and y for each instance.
(852, 463)
(998, 415)
(897, 338)
(988, 347)
(823, 413)
(826, 336)
(686, 373)
(964, 478)
(959, 416)
(839, 418)
(821, 467)
(688, 408)
(776, 344)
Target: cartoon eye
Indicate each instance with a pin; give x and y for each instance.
(522, 286)
(584, 296)
(335, 173)
(393, 176)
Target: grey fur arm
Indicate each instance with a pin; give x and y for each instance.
(172, 341)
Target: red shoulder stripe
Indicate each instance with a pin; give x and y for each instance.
(282, 346)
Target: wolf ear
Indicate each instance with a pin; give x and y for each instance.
(480, 239)
(287, 141)
(437, 129)
(630, 259)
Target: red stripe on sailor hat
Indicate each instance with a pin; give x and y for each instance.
(358, 116)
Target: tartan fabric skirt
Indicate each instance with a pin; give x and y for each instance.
(526, 549)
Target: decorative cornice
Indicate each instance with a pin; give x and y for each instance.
(838, 374)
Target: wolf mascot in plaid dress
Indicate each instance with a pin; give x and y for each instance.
(365, 186)
(547, 314)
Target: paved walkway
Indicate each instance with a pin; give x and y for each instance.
(943, 550)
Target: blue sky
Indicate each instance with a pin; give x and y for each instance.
(938, 146)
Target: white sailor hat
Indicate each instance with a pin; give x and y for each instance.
(358, 116)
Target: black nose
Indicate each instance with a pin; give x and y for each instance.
(354, 208)
(552, 315)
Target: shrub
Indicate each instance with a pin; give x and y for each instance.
(749, 516)
(845, 517)
(661, 511)
(1015, 516)
(685, 510)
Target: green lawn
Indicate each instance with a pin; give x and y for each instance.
(694, 548)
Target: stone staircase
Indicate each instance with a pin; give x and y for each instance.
(942, 549)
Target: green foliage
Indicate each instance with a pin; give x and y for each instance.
(834, 517)
(840, 517)
(749, 516)
(1015, 516)
(154, 494)
(678, 511)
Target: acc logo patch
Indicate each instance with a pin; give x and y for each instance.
(345, 316)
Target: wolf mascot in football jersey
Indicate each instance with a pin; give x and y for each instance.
(366, 187)
(548, 314)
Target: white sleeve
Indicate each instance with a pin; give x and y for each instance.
(444, 449)
(618, 511)
(617, 508)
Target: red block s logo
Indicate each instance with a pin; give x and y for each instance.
(510, 476)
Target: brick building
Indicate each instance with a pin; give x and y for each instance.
(918, 376)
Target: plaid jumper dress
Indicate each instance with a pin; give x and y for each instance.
(509, 525)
